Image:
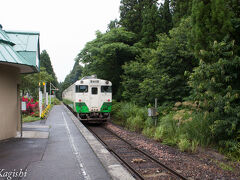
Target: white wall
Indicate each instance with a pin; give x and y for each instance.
(9, 102)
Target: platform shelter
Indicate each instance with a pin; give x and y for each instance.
(19, 54)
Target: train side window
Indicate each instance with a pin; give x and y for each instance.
(94, 90)
(106, 89)
(81, 88)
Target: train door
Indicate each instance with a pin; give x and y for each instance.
(94, 98)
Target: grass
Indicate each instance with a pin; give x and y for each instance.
(223, 165)
(129, 115)
(184, 127)
(30, 118)
(148, 132)
(181, 128)
(55, 101)
(184, 144)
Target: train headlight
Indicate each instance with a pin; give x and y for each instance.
(107, 82)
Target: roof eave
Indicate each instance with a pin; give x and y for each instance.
(23, 32)
(24, 69)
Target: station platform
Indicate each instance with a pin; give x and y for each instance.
(59, 148)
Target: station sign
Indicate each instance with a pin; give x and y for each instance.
(24, 106)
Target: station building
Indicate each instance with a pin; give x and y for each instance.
(19, 54)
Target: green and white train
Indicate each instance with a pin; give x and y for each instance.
(90, 98)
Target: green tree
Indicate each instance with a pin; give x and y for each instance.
(113, 24)
(30, 82)
(141, 17)
(160, 73)
(106, 54)
(180, 9)
(151, 24)
(234, 5)
(166, 17)
(211, 21)
(171, 59)
(46, 63)
(134, 74)
(131, 15)
(72, 77)
(215, 85)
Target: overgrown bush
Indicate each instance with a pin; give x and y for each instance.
(167, 130)
(231, 148)
(215, 85)
(55, 101)
(149, 131)
(129, 115)
(183, 126)
(31, 107)
(184, 144)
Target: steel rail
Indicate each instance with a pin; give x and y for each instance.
(139, 150)
(149, 156)
(122, 160)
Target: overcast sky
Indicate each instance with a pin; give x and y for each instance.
(65, 26)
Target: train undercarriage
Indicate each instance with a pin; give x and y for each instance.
(93, 117)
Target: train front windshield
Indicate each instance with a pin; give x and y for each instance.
(106, 89)
(81, 88)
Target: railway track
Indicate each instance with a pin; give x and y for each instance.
(140, 163)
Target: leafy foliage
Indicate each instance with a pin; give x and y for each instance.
(30, 82)
(171, 59)
(175, 51)
(130, 115)
(166, 17)
(107, 53)
(180, 9)
(160, 73)
(151, 24)
(134, 73)
(31, 107)
(145, 19)
(211, 21)
(215, 84)
(30, 118)
(45, 62)
(72, 77)
(131, 15)
(186, 129)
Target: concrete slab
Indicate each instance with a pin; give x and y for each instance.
(34, 130)
(33, 134)
(35, 126)
(67, 154)
(17, 153)
(112, 165)
(59, 148)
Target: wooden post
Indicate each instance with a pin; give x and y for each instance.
(156, 111)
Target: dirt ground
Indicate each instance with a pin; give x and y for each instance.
(204, 164)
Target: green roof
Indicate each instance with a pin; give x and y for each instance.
(4, 38)
(8, 54)
(20, 49)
